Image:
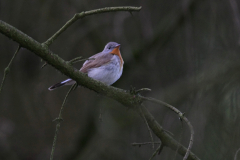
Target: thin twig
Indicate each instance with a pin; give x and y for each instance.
(181, 115)
(44, 65)
(143, 89)
(75, 86)
(161, 148)
(59, 120)
(191, 137)
(149, 130)
(7, 69)
(88, 13)
(235, 157)
(179, 140)
(158, 150)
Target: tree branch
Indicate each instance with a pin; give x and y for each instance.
(150, 133)
(59, 119)
(7, 69)
(122, 96)
(158, 150)
(182, 117)
(235, 156)
(88, 13)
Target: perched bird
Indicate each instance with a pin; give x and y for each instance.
(106, 66)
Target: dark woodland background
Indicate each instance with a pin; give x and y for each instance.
(186, 51)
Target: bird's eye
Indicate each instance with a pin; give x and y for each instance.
(109, 47)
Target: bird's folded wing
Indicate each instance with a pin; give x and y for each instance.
(96, 61)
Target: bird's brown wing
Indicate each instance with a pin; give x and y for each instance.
(96, 61)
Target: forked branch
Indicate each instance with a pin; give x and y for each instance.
(119, 95)
(181, 116)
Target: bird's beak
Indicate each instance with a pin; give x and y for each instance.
(116, 50)
(117, 46)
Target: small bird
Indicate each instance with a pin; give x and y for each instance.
(106, 66)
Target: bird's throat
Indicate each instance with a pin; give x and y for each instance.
(116, 51)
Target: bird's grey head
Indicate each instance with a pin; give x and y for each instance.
(110, 46)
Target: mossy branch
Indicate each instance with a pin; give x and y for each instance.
(132, 101)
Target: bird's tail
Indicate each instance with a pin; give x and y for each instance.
(60, 84)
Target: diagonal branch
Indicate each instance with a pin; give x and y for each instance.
(120, 95)
(158, 150)
(150, 133)
(182, 117)
(88, 13)
(7, 69)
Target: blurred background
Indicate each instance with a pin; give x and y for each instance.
(186, 51)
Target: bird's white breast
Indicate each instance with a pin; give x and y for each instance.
(107, 73)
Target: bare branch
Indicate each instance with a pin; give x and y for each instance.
(179, 140)
(235, 157)
(181, 115)
(88, 13)
(143, 89)
(59, 120)
(44, 65)
(120, 95)
(149, 130)
(158, 150)
(7, 69)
